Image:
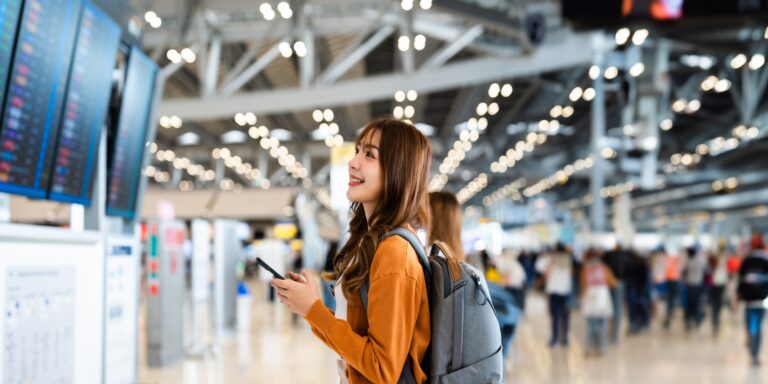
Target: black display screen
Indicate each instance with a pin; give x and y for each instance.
(598, 13)
(10, 10)
(128, 153)
(33, 105)
(87, 99)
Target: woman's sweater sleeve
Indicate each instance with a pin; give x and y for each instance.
(393, 307)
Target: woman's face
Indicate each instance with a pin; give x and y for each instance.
(365, 176)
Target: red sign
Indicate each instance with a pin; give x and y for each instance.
(154, 288)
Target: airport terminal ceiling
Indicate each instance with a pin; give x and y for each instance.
(682, 102)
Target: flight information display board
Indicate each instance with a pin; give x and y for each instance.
(88, 92)
(33, 105)
(125, 170)
(10, 10)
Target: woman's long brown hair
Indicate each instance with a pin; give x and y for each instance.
(405, 156)
(446, 221)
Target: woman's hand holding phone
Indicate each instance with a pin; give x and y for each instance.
(298, 292)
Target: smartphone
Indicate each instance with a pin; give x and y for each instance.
(269, 269)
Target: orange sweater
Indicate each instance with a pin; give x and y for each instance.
(396, 327)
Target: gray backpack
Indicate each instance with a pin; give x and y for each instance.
(465, 345)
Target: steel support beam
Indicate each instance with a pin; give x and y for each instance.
(212, 68)
(307, 63)
(246, 58)
(354, 55)
(567, 53)
(451, 49)
(246, 75)
(597, 181)
(407, 58)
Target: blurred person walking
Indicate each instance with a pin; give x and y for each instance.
(557, 270)
(616, 260)
(693, 276)
(514, 275)
(596, 281)
(637, 280)
(753, 291)
(673, 287)
(718, 267)
(507, 309)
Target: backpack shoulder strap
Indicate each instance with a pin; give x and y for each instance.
(407, 375)
(415, 244)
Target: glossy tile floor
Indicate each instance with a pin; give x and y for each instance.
(276, 350)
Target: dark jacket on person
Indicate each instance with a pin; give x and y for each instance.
(617, 260)
(753, 277)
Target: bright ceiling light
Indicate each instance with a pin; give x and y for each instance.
(398, 112)
(622, 36)
(403, 43)
(317, 115)
(482, 109)
(493, 90)
(175, 122)
(149, 16)
(493, 108)
(506, 90)
(594, 72)
(240, 119)
(637, 69)
(409, 111)
(156, 23)
(738, 61)
(576, 94)
(328, 114)
(756, 62)
(694, 105)
(165, 122)
(722, 85)
(300, 48)
(419, 42)
(285, 49)
(679, 105)
(611, 72)
(188, 55)
(556, 111)
(174, 56)
(589, 94)
(639, 37)
(250, 118)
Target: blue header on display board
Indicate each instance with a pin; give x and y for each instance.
(88, 92)
(35, 95)
(135, 108)
(10, 10)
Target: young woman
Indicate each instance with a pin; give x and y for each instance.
(388, 189)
